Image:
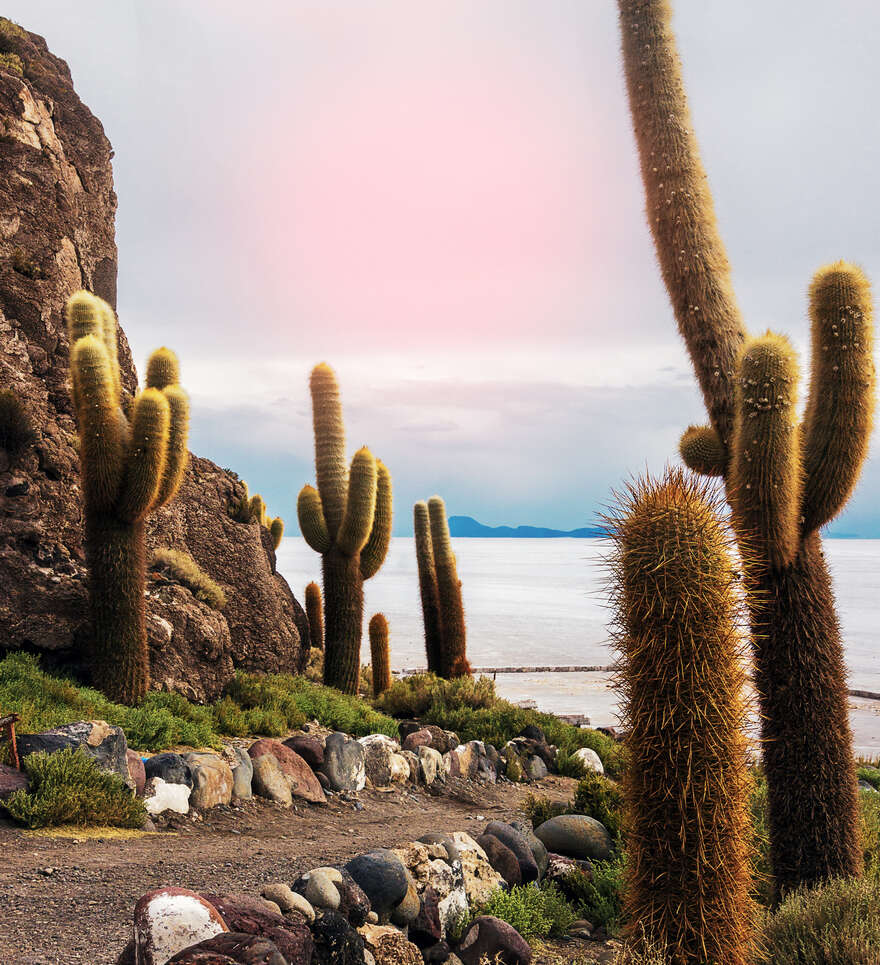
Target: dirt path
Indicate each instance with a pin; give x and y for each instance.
(69, 901)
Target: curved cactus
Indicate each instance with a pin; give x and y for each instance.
(783, 482)
(130, 467)
(453, 660)
(315, 615)
(347, 519)
(379, 655)
(428, 590)
(686, 785)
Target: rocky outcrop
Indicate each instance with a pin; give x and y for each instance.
(57, 213)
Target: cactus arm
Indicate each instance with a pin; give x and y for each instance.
(330, 467)
(374, 553)
(453, 662)
(83, 316)
(163, 369)
(147, 450)
(101, 423)
(701, 450)
(840, 405)
(315, 614)
(111, 341)
(276, 530)
(360, 509)
(428, 590)
(310, 514)
(177, 453)
(257, 509)
(679, 206)
(765, 470)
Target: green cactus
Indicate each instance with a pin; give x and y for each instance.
(276, 530)
(677, 599)
(783, 481)
(130, 467)
(380, 659)
(347, 519)
(428, 590)
(316, 617)
(453, 661)
(257, 509)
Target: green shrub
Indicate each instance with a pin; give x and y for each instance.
(457, 925)
(871, 774)
(837, 924)
(68, 788)
(602, 799)
(762, 876)
(541, 809)
(870, 832)
(183, 569)
(534, 912)
(413, 696)
(597, 896)
(12, 62)
(16, 431)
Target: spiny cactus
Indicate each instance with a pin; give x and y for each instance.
(428, 587)
(257, 509)
(276, 530)
(435, 554)
(783, 481)
(315, 614)
(380, 658)
(130, 467)
(347, 519)
(686, 785)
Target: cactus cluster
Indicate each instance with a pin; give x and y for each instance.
(678, 604)
(380, 658)
(784, 480)
(347, 519)
(249, 509)
(440, 587)
(131, 465)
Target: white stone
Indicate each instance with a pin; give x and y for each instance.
(430, 764)
(590, 759)
(167, 797)
(399, 768)
(169, 921)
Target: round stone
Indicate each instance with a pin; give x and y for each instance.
(576, 836)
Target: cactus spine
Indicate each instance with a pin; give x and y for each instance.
(686, 785)
(782, 482)
(347, 519)
(428, 587)
(130, 467)
(453, 660)
(315, 615)
(379, 655)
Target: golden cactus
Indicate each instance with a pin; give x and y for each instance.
(379, 656)
(453, 631)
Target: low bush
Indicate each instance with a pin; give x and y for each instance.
(871, 774)
(597, 896)
(183, 569)
(595, 795)
(413, 696)
(68, 788)
(541, 809)
(837, 924)
(535, 912)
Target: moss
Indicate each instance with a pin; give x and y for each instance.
(16, 431)
(183, 569)
(12, 63)
(25, 265)
(68, 788)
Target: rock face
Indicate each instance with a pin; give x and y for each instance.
(57, 214)
(104, 743)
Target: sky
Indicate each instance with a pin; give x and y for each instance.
(441, 199)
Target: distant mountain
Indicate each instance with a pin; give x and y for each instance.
(468, 526)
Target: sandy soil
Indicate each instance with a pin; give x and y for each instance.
(70, 900)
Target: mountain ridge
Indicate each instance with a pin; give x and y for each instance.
(468, 527)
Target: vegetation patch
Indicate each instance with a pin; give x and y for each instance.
(598, 896)
(12, 62)
(535, 912)
(183, 569)
(16, 430)
(68, 788)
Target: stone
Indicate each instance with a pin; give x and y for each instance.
(242, 775)
(576, 836)
(443, 839)
(212, 780)
(415, 770)
(481, 880)
(269, 781)
(336, 942)
(430, 765)
(343, 765)
(867, 786)
(419, 738)
(560, 867)
(502, 859)
(136, 771)
(310, 749)
(452, 764)
(198, 955)
(406, 910)
(172, 768)
(168, 920)
(533, 732)
(494, 940)
(282, 896)
(103, 742)
(389, 946)
(426, 930)
(237, 947)
(159, 796)
(321, 890)
(589, 759)
(534, 769)
(436, 953)
(271, 906)
(382, 760)
(248, 915)
(300, 777)
(354, 903)
(519, 846)
(383, 878)
(539, 852)
(11, 780)
(303, 907)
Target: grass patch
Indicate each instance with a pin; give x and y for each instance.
(871, 774)
(535, 912)
(183, 569)
(12, 62)
(68, 788)
(596, 796)
(598, 897)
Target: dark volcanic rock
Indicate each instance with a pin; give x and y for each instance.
(238, 947)
(336, 942)
(502, 859)
(104, 743)
(383, 878)
(490, 939)
(172, 768)
(310, 749)
(57, 234)
(513, 840)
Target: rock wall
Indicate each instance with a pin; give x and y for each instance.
(57, 234)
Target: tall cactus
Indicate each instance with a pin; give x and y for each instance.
(380, 658)
(686, 787)
(315, 615)
(451, 658)
(130, 467)
(783, 481)
(276, 531)
(347, 519)
(428, 587)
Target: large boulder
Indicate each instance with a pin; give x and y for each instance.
(212, 780)
(269, 780)
(481, 880)
(168, 920)
(300, 777)
(244, 914)
(576, 836)
(512, 839)
(104, 743)
(235, 947)
(383, 878)
(383, 762)
(344, 762)
(170, 767)
(57, 235)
